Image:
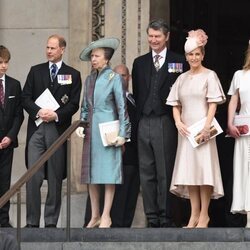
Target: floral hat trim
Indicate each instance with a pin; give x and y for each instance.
(195, 39)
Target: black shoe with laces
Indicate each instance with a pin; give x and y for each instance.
(50, 225)
(31, 226)
(6, 224)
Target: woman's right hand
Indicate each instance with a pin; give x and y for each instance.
(80, 132)
(233, 131)
(182, 128)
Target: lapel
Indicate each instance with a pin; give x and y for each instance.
(46, 75)
(130, 99)
(91, 87)
(103, 88)
(148, 68)
(60, 72)
(164, 74)
(6, 92)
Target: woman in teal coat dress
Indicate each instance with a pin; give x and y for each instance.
(104, 101)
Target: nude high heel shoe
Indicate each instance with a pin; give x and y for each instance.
(192, 223)
(105, 224)
(94, 224)
(203, 223)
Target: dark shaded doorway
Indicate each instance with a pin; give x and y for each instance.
(228, 28)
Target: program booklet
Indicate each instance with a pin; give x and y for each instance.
(46, 100)
(109, 131)
(195, 131)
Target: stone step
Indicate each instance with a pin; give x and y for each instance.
(138, 246)
(134, 238)
(78, 204)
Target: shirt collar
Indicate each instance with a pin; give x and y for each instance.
(58, 64)
(3, 78)
(162, 53)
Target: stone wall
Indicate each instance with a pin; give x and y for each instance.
(26, 24)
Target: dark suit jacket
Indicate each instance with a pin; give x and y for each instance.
(141, 78)
(67, 96)
(130, 156)
(11, 117)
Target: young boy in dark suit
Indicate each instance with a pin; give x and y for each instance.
(11, 118)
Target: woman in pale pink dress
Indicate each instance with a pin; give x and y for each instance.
(195, 95)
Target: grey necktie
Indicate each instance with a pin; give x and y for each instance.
(156, 62)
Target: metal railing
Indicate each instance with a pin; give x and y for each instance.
(15, 189)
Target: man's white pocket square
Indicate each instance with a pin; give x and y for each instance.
(11, 96)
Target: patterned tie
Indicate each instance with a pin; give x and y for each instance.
(156, 62)
(131, 99)
(53, 71)
(1, 93)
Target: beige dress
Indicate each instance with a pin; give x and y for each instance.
(196, 166)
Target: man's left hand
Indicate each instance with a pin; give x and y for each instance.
(6, 141)
(49, 116)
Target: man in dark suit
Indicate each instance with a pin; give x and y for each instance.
(126, 194)
(11, 118)
(153, 74)
(64, 83)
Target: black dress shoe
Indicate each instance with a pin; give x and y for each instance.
(50, 225)
(167, 224)
(30, 226)
(153, 224)
(6, 224)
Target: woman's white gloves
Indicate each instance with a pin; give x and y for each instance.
(80, 132)
(117, 141)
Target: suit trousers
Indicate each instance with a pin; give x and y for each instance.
(125, 198)
(40, 141)
(6, 158)
(157, 142)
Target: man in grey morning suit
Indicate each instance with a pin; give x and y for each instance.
(153, 74)
(64, 82)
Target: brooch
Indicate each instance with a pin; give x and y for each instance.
(111, 75)
(65, 99)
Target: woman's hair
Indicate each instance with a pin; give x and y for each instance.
(108, 53)
(246, 65)
(202, 50)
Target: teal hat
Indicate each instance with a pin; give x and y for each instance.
(112, 43)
